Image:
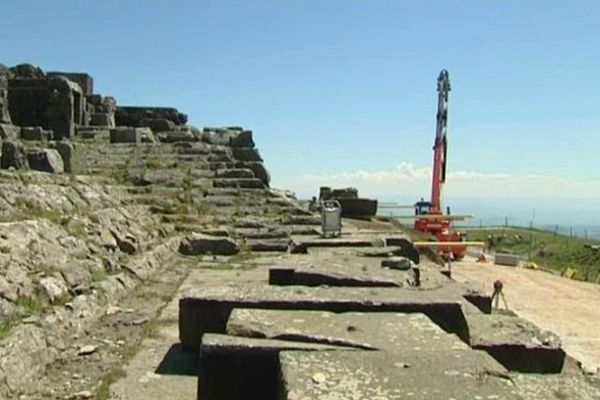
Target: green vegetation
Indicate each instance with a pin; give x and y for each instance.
(33, 305)
(547, 249)
(103, 391)
(75, 228)
(29, 212)
(99, 275)
(7, 324)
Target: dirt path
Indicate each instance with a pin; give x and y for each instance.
(571, 309)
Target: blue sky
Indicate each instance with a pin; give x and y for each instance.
(343, 92)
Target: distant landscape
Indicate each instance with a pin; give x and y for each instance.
(579, 217)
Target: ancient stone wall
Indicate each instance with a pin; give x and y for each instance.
(101, 110)
(28, 101)
(133, 116)
(65, 107)
(49, 101)
(85, 81)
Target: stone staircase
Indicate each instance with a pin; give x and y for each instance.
(197, 186)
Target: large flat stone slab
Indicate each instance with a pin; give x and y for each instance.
(556, 386)
(206, 310)
(382, 244)
(408, 374)
(301, 246)
(234, 368)
(369, 331)
(331, 276)
(516, 343)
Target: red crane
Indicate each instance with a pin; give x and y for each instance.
(430, 218)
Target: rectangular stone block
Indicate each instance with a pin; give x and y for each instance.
(125, 135)
(409, 373)
(310, 276)
(516, 343)
(382, 331)
(36, 133)
(93, 132)
(207, 310)
(242, 183)
(233, 368)
(85, 81)
(102, 119)
(511, 260)
(246, 154)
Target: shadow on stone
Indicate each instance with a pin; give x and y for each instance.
(178, 362)
(520, 358)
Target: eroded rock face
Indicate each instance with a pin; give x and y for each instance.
(53, 287)
(8, 131)
(13, 155)
(29, 355)
(196, 244)
(4, 114)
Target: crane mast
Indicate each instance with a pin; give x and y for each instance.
(440, 146)
(430, 218)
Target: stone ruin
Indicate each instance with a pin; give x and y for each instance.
(47, 111)
(62, 102)
(261, 306)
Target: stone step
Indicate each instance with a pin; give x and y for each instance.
(260, 245)
(245, 183)
(302, 220)
(221, 191)
(266, 233)
(235, 173)
(234, 201)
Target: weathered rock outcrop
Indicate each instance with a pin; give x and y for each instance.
(13, 155)
(4, 114)
(197, 243)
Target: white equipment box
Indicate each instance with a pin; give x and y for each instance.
(331, 218)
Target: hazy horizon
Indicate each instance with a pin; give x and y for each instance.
(568, 215)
